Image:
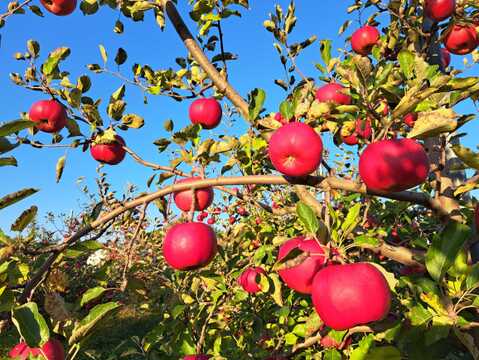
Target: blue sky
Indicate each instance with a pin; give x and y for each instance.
(257, 66)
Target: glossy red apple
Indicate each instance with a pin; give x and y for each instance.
(333, 93)
(409, 119)
(232, 220)
(52, 349)
(60, 7)
(196, 357)
(363, 130)
(445, 58)
(393, 165)
(439, 10)
(295, 149)
(109, 153)
(249, 279)
(49, 115)
(364, 39)
(206, 112)
(183, 199)
(300, 277)
(345, 296)
(461, 39)
(189, 246)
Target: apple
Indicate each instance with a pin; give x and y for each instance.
(52, 349)
(345, 296)
(439, 10)
(196, 357)
(282, 120)
(211, 221)
(204, 196)
(362, 130)
(329, 342)
(295, 149)
(461, 39)
(300, 277)
(409, 119)
(364, 39)
(445, 58)
(393, 165)
(111, 153)
(232, 220)
(60, 7)
(242, 211)
(189, 246)
(206, 112)
(333, 93)
(49, 115)
(248, 279)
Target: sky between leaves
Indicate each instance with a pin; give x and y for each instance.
(257, 66)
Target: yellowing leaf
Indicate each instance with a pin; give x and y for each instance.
(433, 123)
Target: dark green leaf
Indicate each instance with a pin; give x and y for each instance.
(15, 126)
(30, 324)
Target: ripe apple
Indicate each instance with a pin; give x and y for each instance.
(362, 130)
(295, 149)
(196, 357)
(52, 349)
(183, 199)
(248, 279)
(49, 115)
(60, 7)
(445, 58)
(461, 39)
(189, 246)
(345, 296)
(206, 112)
(109, 153)
(232, 220)
(364, 39)
(393, 165)
(300, 277)
(439, 10)
(333, 93)
(409, 119)
(211, 221)
(282, 120)
(241, 211)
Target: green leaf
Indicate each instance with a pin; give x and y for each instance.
(59, 168)
(384, 352)
(91, 294)
(307, 216)
(6, 146)
(326, 51)
(8, 161)
(277, 289)
(25, 219)
(433, 123)
(406, 61)
(133, 121)
(15, 126)
(15, 197)
(352, 220)
(95, 315)
(286, 109)
(361, 351)
(54, 59)
(332, 354)
(445, 247)
(31, 324)
(257, 98)
(468, 157)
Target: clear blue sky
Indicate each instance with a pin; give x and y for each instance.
(257, 66)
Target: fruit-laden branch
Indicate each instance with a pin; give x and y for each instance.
(220, 82)
(320, 182)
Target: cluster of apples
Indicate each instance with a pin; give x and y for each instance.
(459, 38)
(344, 296)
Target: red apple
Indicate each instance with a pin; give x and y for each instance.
(461, 39)
(189, 246)
(232, 220)
(183, 199)
(393, 165)
(282, 120)
(439, 10)
(409, 119)
(196, 357)
(60, 7)
(445, 58)
(241, 211)
(333, 93)
(206, 112)
(49, 115)
(329, 342)
(345, 296)
(52, 349)
(364, 39)
(300, 277)
(249, 279)
(109, 153)
(295, 149)
(362, 130)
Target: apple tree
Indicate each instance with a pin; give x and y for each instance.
(340, 225)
